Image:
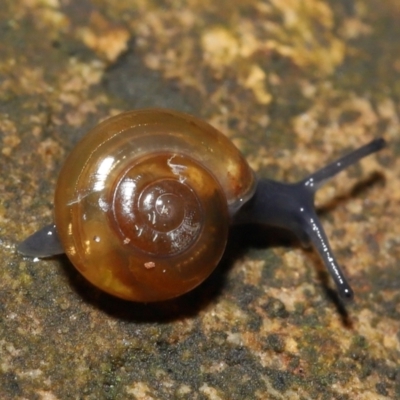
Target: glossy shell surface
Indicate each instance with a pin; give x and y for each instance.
(143, 203)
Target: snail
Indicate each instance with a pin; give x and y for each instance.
(144, 202)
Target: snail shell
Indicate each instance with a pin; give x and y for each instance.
(143, 203)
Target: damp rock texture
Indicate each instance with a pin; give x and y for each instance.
(294, 84)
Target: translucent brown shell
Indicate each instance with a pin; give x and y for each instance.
(143, 203)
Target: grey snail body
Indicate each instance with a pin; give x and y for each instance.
(144, 203)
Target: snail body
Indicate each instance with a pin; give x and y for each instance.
(144, 202)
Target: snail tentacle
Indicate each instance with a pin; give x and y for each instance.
(291, 206)
(318, 178)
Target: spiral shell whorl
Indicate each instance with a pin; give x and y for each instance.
(138, 207)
